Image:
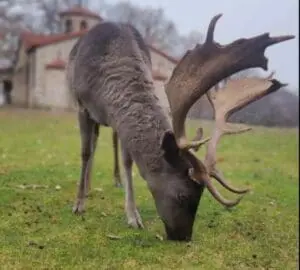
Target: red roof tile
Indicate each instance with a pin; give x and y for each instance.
(32, 40)
(80, 11)
(56, 64)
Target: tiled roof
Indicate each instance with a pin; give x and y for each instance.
(57, 64)
(80, 11)
(32, 40)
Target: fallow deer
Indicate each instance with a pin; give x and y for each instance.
(109, 74)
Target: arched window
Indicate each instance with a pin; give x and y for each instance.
(69, 26)
(83, 25)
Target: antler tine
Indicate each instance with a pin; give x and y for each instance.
(235, 95)
(197, 140)
(199, 134)
(275, 40)
(230, 130)
(211, 29)
(199, 174)
(219, 177)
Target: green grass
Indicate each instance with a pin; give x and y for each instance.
(38, 230)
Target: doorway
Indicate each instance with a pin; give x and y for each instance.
(7, 88)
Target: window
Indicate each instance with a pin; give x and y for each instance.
(83, 25)
(69, 26)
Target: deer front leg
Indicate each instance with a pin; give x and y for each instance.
(117, 178)
(133, 217)
(89, 132)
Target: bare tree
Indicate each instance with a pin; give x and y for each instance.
(50, 22)
(187, 42)
(155, 28)
(40, 16)
(12, 16)
(152, 23)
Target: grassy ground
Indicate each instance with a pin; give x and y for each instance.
(38, 230)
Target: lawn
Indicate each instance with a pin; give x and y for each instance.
(39, 231)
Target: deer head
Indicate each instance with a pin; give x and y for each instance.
(196, 74)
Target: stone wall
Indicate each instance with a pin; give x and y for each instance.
(56, 94)
(20, 79)
(45, 55)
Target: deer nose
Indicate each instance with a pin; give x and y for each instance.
(178, 234)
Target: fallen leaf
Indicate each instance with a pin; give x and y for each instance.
(159, 237)
(113, 237)
(33, 186)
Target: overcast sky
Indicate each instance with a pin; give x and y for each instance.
(241, 18)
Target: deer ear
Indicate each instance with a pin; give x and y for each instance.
(170, 148)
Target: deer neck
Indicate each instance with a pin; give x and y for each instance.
(141, 122)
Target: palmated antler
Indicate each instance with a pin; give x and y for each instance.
(198, 71)
(225, 101)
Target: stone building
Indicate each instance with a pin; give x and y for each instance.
(37, 76)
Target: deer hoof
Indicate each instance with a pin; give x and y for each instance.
(118, 185)
(135, 221)
(78, 208)
(118, 182)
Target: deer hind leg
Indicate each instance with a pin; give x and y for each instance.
(89, 132)
(133, 217)
(94, 140)
(117, 177)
